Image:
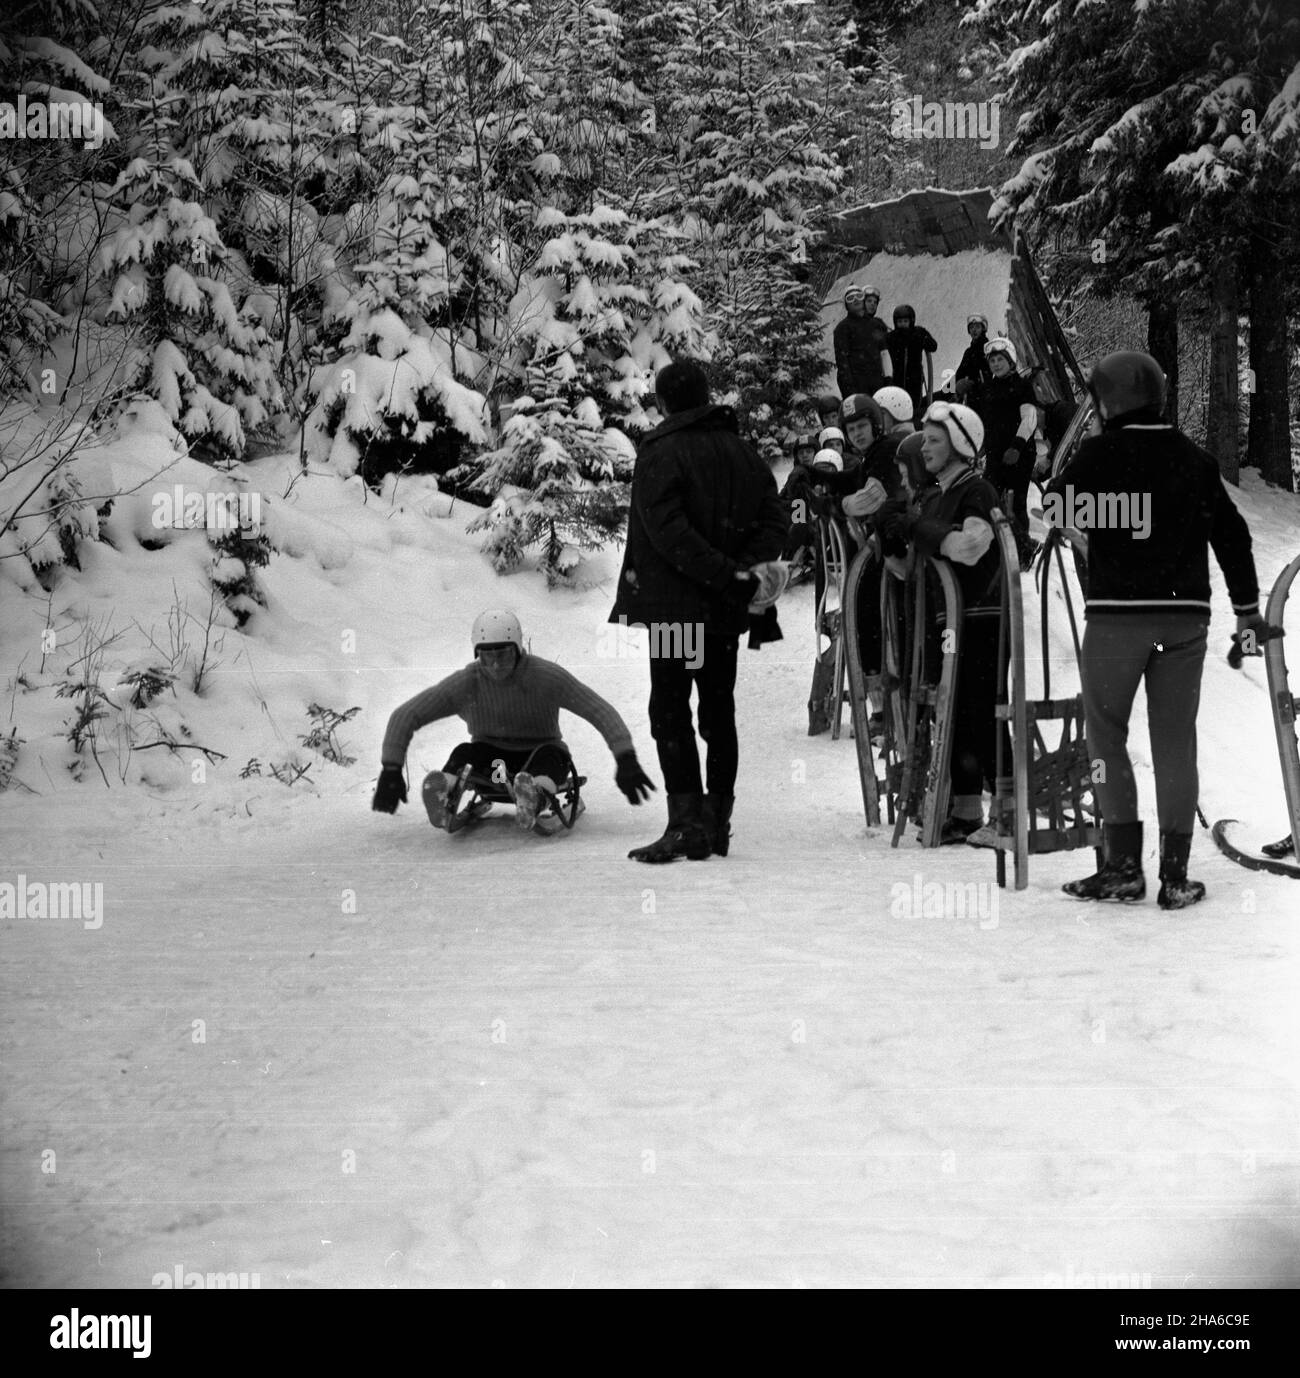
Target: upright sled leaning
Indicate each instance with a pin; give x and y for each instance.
(1283, 703)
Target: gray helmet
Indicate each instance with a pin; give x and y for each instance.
(1127, 381)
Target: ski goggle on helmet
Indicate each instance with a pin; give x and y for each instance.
(965, 429)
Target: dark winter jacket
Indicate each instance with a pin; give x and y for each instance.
(975, 366)
(999, 409)
(859, 341)
(881, 463)
(908, 346)
(936, 512)
(1157, 505)
(704, 507)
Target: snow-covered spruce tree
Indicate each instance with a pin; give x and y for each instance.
(1114, 129)
(209, 368)
(603, 302)
(391, 401)
(1237, 184)
(742, 103)
(39, 56)
(594, 331)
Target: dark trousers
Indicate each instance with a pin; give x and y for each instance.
(547, 759)
(1167, 650)
(1012, 482)
(869, 624)
(975, 727)
(671, 726)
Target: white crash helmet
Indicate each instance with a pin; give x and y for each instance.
(497, 627)
(1001, 345)
(965, 429)
(895, 402)
(830, 433)
(831, 459)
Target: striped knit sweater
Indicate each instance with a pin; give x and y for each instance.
(518, 714)
(1161, 565)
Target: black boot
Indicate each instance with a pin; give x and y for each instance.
(717, 821)
(1120, 878)
(1176, 891)
(686, 834)
(1283, 847)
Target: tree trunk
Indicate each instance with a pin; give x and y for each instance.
(1268, 441)
(1162, 345)
(1225, 402)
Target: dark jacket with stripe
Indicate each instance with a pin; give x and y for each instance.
(1188, 511)
(704, 507)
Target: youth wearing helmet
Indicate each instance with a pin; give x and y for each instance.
(496, 627)
(973, 372)
(1148, 612)
(830, 435)
(911, 351)
(1127, 382)
(861, 350)
(805, 446)
(859, 406)
(828, 459)
(951, 515)
(896, 403)
(1001, 345)
(512, 711)
(1010, 413)
(963, 426)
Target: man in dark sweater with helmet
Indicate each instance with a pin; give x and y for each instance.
(511, 702)
(1151, 504)
(704, 529)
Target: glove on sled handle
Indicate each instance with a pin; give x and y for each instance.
(1257, 636)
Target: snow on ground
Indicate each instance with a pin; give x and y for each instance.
(329, 1047)
(942, 291)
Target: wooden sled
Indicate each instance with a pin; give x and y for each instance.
(1044, 800)
(863, 688)
(934, 645)
(473, 796)
(826, 698)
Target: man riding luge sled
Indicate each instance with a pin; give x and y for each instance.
(511, 702)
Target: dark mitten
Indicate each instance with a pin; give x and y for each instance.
(390, 791)
(631, 779)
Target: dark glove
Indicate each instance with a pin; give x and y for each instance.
(1250, 637)
(390, 791)
(763, 627)
(631, 779)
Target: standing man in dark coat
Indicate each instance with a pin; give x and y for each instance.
(862, 362)
(704, 514)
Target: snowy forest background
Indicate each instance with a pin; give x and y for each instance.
(456, 240)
